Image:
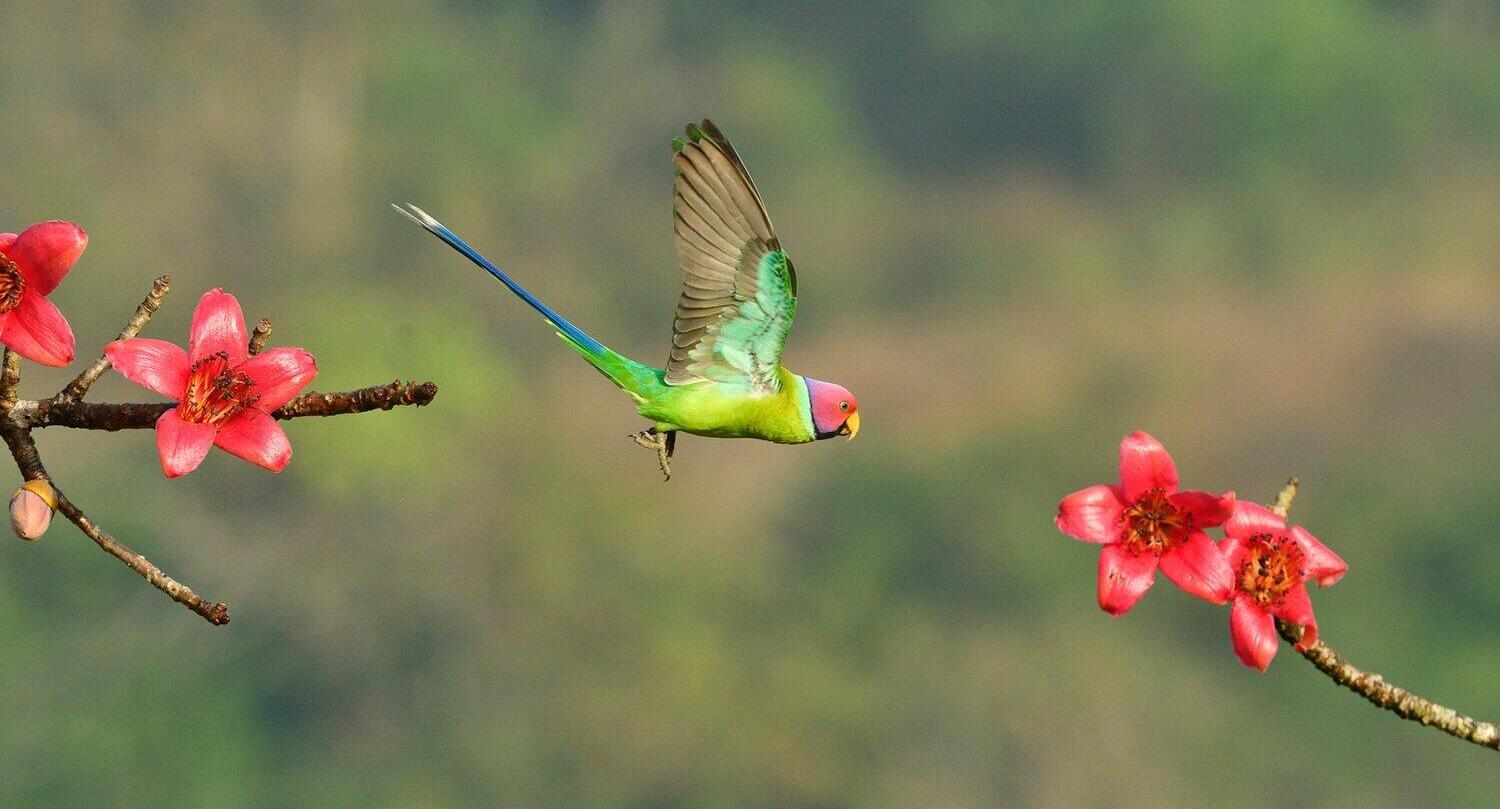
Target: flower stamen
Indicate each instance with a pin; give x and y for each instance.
(1153, 525)
(215, 392)
(1273, 566)
(12, 284)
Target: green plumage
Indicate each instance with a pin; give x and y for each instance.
(723, 376)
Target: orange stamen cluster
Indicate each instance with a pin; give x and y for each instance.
(11, 284)
(215, 392)
(1272, 567)
(1153, 525)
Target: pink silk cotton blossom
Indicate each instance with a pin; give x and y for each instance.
(1271, 564)
(224, 396)
(1145, 522)
(31, 266)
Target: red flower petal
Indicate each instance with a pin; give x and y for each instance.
(1123, 578)
(182, 445)
(6, 240)
(1250, 519)
(1233, 549)
(1145, 465)
(154, 364)
(1092, 514)
(279, 374)
(1199, 568)
(218, 325)
(1323, 565)
(37, 330)
(45, 252)
(1253, 633)
(1208, 509)
(257, 438)
(1296, 608)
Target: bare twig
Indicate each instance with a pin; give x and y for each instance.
(18, 417)
(23, 449)
(259, 336)
(1393, 698)
(94, 416)
(81, 384)
(216, 613)
(379, 397)
(10, 378)
(1372, 686)
(138, 416)
(1282, 505)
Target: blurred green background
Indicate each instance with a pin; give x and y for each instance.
(1265, 232)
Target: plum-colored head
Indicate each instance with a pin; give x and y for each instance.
(834, 410)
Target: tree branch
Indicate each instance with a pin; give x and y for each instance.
(10, 378)
(23, 449)
(379, 397)
(1372, 686)
(18, 417)
(81, 384)
(139, 415)
(259, 336)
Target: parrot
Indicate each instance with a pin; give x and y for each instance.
(723, 376)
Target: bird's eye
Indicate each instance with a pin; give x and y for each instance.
(843, 406)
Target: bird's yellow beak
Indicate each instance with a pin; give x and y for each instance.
(851, 427)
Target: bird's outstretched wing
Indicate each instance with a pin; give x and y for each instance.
(739, 290)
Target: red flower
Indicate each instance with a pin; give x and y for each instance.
(224, 395)
(1144, 521)
(1271, 564)
(31, 266)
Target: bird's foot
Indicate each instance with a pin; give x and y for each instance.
(662, 444)
(645, 438)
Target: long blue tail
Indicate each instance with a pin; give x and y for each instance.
(574, 334)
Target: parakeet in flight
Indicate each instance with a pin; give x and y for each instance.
(723, 376)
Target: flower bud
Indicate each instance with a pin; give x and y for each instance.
(31, 509)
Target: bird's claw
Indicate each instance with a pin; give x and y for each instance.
(661, 443)
(645, 439)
